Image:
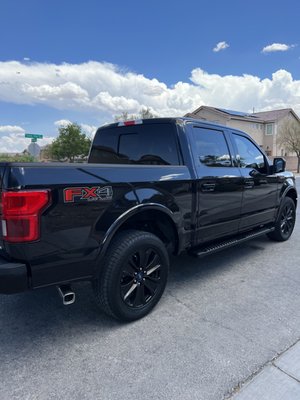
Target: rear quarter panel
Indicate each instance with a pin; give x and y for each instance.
(72, 233)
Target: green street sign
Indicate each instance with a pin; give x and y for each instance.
(33, 140)
(33, 136)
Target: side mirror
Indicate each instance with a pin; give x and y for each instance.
(279, 165)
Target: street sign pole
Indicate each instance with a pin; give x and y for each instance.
(33, 148)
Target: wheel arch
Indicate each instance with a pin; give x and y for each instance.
(154, 218)
(291, 192)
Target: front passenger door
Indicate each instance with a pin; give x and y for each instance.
(259, 187)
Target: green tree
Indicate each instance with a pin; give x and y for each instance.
(71, 143)
(289, 137)
(124, 116)
(144, 113)
(16, 158)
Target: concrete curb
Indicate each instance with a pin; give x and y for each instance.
(278, 380)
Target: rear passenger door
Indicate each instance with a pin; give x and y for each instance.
(259, 187)
(219, 184)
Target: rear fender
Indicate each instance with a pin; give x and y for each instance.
(121, 220)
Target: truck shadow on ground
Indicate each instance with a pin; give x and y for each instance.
(39, 315)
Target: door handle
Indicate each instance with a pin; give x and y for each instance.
(263, 181)
(249, 184)
(208, 187)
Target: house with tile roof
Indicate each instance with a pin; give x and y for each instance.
(263, 127)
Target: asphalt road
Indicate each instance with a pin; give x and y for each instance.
(220, 320)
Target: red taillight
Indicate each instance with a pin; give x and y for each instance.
(129, 123)
(21, 214)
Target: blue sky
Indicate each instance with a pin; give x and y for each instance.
(87, 61)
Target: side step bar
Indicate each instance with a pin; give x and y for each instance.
(217, 246)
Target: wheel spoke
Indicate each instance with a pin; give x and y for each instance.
(126, 284)
(130, 270)
(153, 269)
(140, 296)
(144, 257)
(283, 223)
(153, 279)
(289, 224)
(287, 220)
(151, 286)
(140, 277)
(131, 289)
(134, 262)
(153, 260)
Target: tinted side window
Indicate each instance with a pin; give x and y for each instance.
(151, 144)
(248, 154)
(211, 147)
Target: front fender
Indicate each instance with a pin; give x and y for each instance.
(288, 185)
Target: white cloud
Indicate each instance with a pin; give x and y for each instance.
(8, 129)
(62, 122)
(220, 46)
(277, 47)
(103, 90)
(248, 91)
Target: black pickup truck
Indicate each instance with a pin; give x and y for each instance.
(151, 188)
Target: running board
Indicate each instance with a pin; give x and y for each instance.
(213, 248)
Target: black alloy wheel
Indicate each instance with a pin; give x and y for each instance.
(285, 222)
(133, 276)
(141, 277)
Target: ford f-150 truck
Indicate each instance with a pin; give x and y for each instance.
(151, 188)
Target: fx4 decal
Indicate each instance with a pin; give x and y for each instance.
(95, 193)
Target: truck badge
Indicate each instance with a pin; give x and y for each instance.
(95, 193)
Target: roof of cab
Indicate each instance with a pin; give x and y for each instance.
(165, 120)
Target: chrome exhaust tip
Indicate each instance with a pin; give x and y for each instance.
(67, 294)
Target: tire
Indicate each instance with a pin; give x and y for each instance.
(133, 277)
(285, 222)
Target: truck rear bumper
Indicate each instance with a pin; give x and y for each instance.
(13, 277)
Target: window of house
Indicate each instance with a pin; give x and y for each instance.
(269, 129)
(211, 148)
(248, 155)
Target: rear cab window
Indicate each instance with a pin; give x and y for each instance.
(145, 143)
